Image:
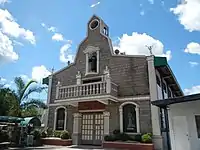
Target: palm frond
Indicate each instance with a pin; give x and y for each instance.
(20, 86)
(25, 88)
(34, 89)
(34, 102)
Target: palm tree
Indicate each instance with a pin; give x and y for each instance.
(22, 95)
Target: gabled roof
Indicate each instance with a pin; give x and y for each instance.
(182, 99)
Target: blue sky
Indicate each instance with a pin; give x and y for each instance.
(37, 35)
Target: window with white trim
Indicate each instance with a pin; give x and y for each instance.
(60, 119)
(92, 60)
(129, 118)
(197, 120)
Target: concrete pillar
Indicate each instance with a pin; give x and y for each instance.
(48, 100)
(76, 136)
(121, 119)
(78, 78)
(106, 123)
(155, 112)
(55, 118)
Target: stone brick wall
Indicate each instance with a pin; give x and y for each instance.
(130, 73)
(144, 115)
(70, 111)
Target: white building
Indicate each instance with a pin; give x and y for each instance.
(183, 115)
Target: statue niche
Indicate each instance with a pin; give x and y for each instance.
(93, 62)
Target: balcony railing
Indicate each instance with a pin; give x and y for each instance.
(84, 90)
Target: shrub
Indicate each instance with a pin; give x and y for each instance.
(65, 135)
(36, 134)
(57, 133)
(109, 138)
(117, 131)
(147, 138)
(137, 138)
(124, 137)
(44, 134)
(49, 132)
(4, 136)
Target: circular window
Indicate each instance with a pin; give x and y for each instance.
(94, 24)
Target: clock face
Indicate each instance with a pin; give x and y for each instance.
(94, 24)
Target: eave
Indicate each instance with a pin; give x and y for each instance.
(164, 69)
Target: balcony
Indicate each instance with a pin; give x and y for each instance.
(93, 90)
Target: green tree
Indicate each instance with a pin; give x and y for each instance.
(8, 103)
(28, 106)
(18, 103)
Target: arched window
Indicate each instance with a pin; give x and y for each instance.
(60, 118)
(129, 117)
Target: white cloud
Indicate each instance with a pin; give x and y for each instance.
(151, 1)
(65, 54)
(40, 72)
(25, 78)
(94, 5)
(12, 28)
(2, 80)
(193, 48)
(2, 2)
(17, 43)
(193, 90)
(136, 44)
(193, 64)
(58, 37)
(6, 50)
(51, 29)
(188, 14)
(142, 13)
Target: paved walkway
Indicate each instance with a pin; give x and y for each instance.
(46, 147)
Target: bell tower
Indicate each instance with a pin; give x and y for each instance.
(97, 26)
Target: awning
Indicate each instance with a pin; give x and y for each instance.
(164, 69)
(35, 121)
(176, 100)
(10, 119)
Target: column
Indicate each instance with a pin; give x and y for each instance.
(121, 119)
(138, 119)
(155, 113)
(76, 136)
(55, 118)
(57, 89)
(106, 123)
(65, 123)
(48, 101)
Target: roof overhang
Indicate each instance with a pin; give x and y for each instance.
(164, 69)
(182, 99)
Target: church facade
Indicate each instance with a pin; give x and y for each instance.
(104, 90)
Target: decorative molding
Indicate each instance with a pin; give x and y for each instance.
(137, 115)
(55, 117)
(77, 115)
(90, 49)
(106, 114)
(96, 110)
(78, 75)
(135, 98)
(100, 97)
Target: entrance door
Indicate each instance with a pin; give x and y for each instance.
(181, 133)
(92, 128)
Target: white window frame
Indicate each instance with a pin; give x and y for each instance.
(137, 117)
(87, 51)
(55, 117)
